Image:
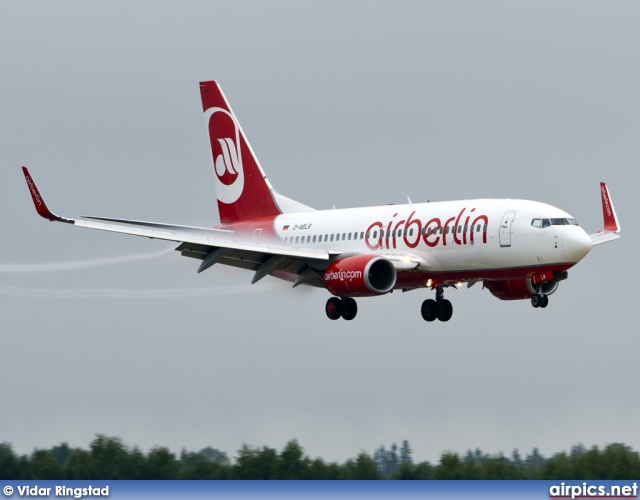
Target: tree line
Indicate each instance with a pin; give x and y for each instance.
(109, 458)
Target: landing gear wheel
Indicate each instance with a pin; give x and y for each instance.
(333, 308)
(429, 310)
(445, 310)
(349, 308)
(535, 300)
(544, 301)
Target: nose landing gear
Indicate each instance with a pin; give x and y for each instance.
(440, 308)
(345, 307)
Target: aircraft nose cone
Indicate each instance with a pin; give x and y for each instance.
(575, 243)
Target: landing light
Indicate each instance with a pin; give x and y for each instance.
(406, 259)
(429, 282)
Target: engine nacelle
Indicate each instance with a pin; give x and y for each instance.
(360, 276)
(518, 289)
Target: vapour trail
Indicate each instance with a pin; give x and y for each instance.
(78, 264)
(114, 293)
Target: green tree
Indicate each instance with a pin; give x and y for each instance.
(61, 454)
(423, 470)
(42, 465)
(161, 464)
(109, 458)
(363, 467)
(214, 454)
(318, 469)
(9, 464)
(450, 467)
(406, 452)
(80, 465)
(623, 462)
(256, 463)
(292, 463)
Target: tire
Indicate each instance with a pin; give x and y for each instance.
(429, 310)
(544, 301)
(445, 311)
(349, 308)
(535, 300)
(333, 308)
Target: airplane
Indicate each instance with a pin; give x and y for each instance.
(518, 249)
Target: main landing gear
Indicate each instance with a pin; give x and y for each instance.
(440, 308)
(345, 307)
(540, 299)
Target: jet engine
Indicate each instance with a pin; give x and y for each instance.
(360, 276)
(519, 289)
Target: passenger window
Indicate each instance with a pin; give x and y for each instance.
(375, 235)
(349, 235)
(362, 235)
(332, 237)
(484, 228)
(296, 239)
(314, 238)
(411, 232)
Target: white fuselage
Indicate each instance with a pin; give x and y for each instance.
(480, 236)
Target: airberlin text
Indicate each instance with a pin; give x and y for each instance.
(34, 191)
(463, 229)
(342, 275)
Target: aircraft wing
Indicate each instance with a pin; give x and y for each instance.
(212, 246)
(611, 224)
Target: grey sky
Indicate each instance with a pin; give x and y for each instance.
(352, 103)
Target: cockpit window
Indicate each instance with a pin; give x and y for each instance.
(553, 222)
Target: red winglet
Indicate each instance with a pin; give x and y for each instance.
(38, 200)
(611, 223)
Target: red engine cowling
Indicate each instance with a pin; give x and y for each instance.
(360, 276)
(518, 289)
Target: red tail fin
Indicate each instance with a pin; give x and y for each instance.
(242, 188)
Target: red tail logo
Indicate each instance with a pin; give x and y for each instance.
(226, 153)
(242, 189)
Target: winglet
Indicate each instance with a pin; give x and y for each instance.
(38, 200)
(611, 224)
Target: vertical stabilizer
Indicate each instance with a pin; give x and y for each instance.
(242, 188)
